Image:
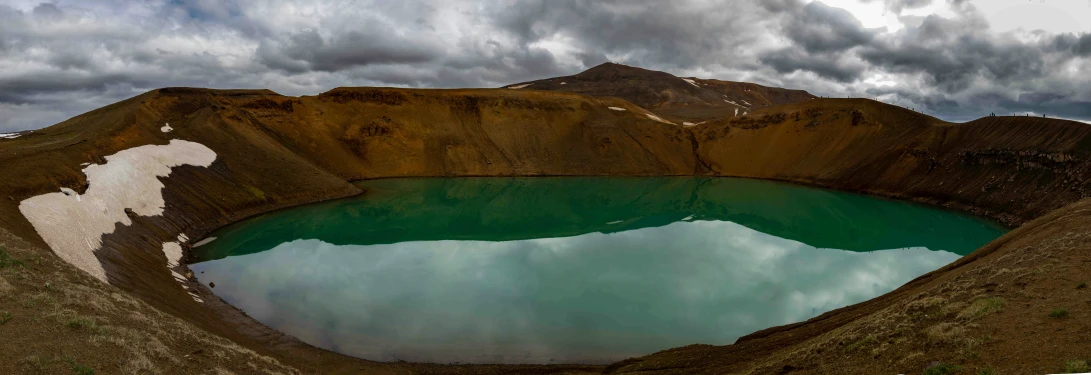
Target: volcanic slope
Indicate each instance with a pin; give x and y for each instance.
(274, 151)
(678, 99)
(994, 311)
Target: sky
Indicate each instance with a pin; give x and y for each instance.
(954, 59)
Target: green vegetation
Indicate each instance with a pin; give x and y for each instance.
(983, 306)
(34, 365)
(1076, 367)
(83, 322)
(5, 316)
(860, 344)
(78, 368)
(1082, 286)
(943, 369)
(82, 369)
(6, 261)
(1058, 313)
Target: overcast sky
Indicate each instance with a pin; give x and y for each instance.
(955, 59)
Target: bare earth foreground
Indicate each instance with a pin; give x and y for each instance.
(229, 154)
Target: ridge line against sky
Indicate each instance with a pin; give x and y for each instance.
(954, 59)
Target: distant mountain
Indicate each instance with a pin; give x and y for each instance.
(678, 98)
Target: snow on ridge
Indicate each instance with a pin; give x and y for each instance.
(73, 224)
(9, 135)
(166, 128)
(520, 86)
(690, 81)
(657, 118)
(619, 109)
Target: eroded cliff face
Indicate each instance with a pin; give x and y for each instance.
(272, 151)
(1012, 169)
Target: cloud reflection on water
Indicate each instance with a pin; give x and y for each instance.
(591, 298)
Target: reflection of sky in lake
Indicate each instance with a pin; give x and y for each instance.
(590, 298)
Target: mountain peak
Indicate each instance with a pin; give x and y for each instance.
(678, 99)
(611, 70)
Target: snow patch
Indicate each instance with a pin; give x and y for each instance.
(173, 252)
(615, 222)
(688, 218)
(732, 102)
(687, 123)
(736, 112)
(657, 118)
(166, 128)
(129, 179)
(619, 109)
(520, 86)
(564, 83)
(747, 104)
(204, 242)
(690, 81)
(9, 135)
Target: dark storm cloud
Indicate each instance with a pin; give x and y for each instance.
(819, 28)
(1078, 44)
(65, 57)
(308, 50)
(821, 35)
(826, 65)
(655, 32)
(951, 60)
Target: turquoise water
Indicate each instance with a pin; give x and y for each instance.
(570, 270)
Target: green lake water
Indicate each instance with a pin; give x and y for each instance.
(570, 270)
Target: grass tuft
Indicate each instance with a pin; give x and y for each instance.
(82, 369)
(1081, 286)
(6, 261)
(1076, 367)
(82, 322)
(34, 365)
(983, 306)
(5, 316)
(861, 344)
(1058, 313)
(943, 369)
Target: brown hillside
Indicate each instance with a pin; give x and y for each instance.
(679, 99)
(275, 151)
